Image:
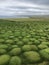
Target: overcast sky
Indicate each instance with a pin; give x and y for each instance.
(12, 8)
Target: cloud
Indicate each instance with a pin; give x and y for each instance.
(11, 8)
(41, 2)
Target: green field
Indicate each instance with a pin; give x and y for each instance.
(24, 41)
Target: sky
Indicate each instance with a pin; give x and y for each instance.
(16, 8)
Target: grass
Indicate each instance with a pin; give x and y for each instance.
(24, 38)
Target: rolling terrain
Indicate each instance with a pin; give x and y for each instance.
(24, 41)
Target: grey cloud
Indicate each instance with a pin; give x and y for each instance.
(14, 8)
(41, 2)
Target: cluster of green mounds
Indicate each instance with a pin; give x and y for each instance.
(24, 43)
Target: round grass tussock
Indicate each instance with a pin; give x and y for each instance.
(32, 56)
(16, 39)
(2, 51)
(34, 47)
(19, 43)
(45, 53)
(15, 60)
(32, 39)
(46, 43)
(4, 59)
(26, 48)
(9, 41)
(2, 40)
(37, 42)
(15, 51)
(14, 46)
(3, 46)
(25, 40)
(30, 43)
(42, 46)
(17, 34)
(11, 37)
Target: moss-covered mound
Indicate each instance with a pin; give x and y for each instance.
(46, 43)
(26, 48)
(37, 42)
(4, 59)
(2, 51)
(2, 40)
(20, 43)
(15, 60)
(34, 47)
(45, 53)
(9, 41)
(14, 46)
(32, 56)
(42, 46)
(29, 48)
(15, 51)
(3, 46)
